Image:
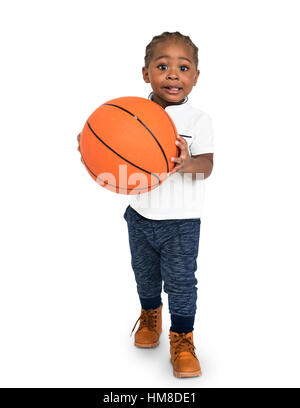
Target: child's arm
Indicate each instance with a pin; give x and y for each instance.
(202, 163)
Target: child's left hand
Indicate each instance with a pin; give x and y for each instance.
(184, 159)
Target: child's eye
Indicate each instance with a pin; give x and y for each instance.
(185, 68)
(161, 65)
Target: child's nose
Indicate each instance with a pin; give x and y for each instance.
(172, 74)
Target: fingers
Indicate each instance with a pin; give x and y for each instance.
(178, 160)
(175, 169)
(183, 157)
(78, 140)
(183, 146)
(179, 164)
(181, 143)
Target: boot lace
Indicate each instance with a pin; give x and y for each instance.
(181, 342)
(147, 318)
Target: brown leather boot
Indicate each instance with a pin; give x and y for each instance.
(147, 335)
(183, 357)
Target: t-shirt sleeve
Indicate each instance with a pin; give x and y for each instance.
(203, 138)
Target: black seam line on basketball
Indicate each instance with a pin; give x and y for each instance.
(120, 107)
(184, 135)
(116, 186)
(128, 161)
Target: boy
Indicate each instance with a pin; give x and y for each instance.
(164, 240)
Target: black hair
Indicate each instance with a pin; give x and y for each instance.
(170, 36)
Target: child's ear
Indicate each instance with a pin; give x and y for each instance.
(196, 77)
(146, 75)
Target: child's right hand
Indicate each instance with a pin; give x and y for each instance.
(78, 140)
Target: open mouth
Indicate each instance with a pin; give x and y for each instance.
(173, 90)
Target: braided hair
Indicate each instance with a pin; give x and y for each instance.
(172, 36)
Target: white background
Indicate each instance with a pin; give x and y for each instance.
(68, 298)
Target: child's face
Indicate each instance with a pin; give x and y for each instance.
(172, 65)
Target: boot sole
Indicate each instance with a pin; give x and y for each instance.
(182, 374)
(179, 374)
(147, 345)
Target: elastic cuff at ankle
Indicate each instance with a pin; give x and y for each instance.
(150, 303)
(182, 324)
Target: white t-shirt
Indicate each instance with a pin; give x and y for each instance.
(180, 197)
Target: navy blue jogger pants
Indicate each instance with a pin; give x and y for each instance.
(165, 251)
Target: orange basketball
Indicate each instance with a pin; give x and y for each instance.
(127, 143)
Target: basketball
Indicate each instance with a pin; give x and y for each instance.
(127, 144)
